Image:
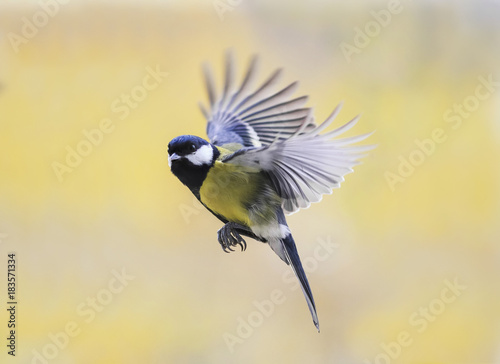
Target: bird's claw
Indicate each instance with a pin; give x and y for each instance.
(229, 237)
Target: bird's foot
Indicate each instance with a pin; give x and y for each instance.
(229, 236)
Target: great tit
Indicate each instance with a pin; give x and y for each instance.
(266, 158)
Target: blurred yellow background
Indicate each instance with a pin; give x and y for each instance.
(419, 216)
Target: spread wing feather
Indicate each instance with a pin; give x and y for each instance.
(306, 165)
(250, 116)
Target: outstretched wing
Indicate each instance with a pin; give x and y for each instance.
(305, 166)
(252, 116)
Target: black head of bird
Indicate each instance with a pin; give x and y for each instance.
(190, 159)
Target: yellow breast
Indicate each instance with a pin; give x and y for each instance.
(227, 189)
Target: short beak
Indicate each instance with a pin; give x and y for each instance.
(172, 158)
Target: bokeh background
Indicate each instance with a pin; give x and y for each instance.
(392, 247)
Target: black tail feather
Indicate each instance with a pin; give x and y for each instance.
(293, 258)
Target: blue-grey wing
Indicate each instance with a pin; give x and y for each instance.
(305, 166)
(249, 115)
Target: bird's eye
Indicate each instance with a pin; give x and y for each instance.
(193, 147)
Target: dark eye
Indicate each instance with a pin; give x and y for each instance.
(193, 147)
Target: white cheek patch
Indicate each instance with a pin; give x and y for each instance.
(204, 155)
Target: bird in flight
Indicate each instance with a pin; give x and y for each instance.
(266, 158)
